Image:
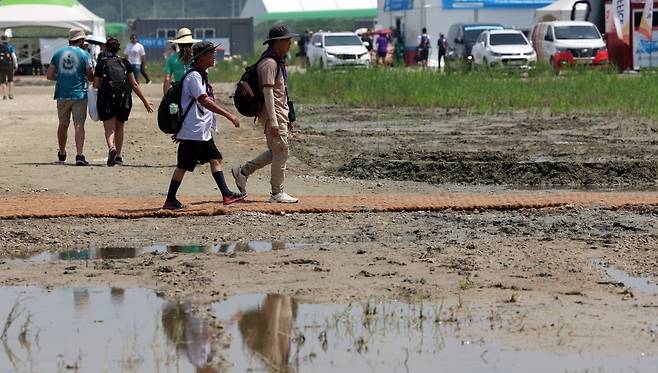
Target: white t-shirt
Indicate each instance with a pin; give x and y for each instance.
(134, 53)
(199, 120)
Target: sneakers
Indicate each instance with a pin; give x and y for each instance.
(235, 197)
(11, 97)
(173, 205)
(4, 97)
(118, 161)
(283, 198)
(111, 157)
(61, 157)
(81, 161)
(240, 179)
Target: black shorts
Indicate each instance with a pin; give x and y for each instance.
(423, 54)
(110, 105)
(190, 152)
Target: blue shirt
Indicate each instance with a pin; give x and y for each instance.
(71, 64)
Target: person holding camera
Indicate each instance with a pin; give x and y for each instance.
(277, 116)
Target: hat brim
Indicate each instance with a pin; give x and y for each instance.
(206, 50)
(287, 36)
(78, 37)
(187, 39)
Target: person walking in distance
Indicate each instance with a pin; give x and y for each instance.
(382, 49)
(8, 66)
(71, 68)
(195, 142)
(137, 58)
(178, 63)
(442, 44)
(115, 81)
(423, 48)
(275, 116)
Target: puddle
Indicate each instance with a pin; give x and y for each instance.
(640, 284)
(131, 252)
(97, 330)
(100, 330)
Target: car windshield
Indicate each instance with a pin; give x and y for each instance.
(339, 40)
(507, 39)
(577, 32)
(472, 32)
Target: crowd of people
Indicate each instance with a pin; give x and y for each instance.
(116, 78)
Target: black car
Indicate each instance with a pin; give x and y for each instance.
(462, 36)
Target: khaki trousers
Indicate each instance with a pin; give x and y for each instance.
(276, 155)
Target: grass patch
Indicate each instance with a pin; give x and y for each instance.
(223, 71)
(482, 90)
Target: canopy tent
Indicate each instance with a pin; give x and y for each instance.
(267, 10)
(560, 11)
(53, 13)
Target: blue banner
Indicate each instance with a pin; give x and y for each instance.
(153, 42)
(395, 5)
(483, 4)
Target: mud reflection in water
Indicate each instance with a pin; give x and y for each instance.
(132, 252)
(640, 284)
(101, 330)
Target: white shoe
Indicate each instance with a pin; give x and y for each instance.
(283, 197)
(240, 179)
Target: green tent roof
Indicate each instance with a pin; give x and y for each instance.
(67, 3)
(339, 13)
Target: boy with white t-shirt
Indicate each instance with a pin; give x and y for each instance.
(196, 144)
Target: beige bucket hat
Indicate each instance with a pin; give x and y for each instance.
(76, 34)
(184, 36)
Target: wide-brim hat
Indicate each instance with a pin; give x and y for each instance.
(76, 34)
(184, 36)
(279, 32)
(203, 47)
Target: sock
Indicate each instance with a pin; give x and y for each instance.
(173, 189)
(221, 183)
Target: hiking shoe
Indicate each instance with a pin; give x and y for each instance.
(111, 157)
(173, 205)
(118, 161)
(11, 97)
(283, 197)
(4, 97)
(235, 197)
(81, 161)
(240, 179)
(61, 157)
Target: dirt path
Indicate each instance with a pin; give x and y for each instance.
(527, 272)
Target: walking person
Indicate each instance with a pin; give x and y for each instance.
(382, 48)
(442, 44)
(178, 63)
(115, 80)
(424, 45)
(71, 68)
(8, 66)
(195, 142)
(275, 116)
(137, 58)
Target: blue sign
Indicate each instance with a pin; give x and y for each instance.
(480, 4)
(394, 5)
(153, 43)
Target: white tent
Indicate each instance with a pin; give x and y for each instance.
(263, 10)
(54, 13)
(559, 11)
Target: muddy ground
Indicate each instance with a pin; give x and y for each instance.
(527, 274)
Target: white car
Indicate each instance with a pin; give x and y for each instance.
(334, 49)
(509, 48)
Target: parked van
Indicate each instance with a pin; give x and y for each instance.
(462, 36)
(567, 43)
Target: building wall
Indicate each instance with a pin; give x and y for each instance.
(239, 31)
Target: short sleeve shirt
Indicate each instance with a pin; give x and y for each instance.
(71, 64)
(175, 68)
(268, 77)
(134, 52)
(199, 120)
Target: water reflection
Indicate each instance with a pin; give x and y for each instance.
(267, 330)
(131, 252)
(638, 283)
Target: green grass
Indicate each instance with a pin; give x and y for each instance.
(223, 71)
(483, 91)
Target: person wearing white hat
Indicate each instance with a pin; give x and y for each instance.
(71, 67)
(178, 63)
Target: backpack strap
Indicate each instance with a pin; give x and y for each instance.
(193, 98)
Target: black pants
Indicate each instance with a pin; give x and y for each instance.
(441, 54)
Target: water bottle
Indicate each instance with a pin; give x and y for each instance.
(173, 108)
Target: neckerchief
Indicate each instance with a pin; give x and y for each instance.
(204, 79)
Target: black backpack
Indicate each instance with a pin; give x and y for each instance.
(171, 123)
(248, 95)
(424, 43)
(5, 55)
(115, 75)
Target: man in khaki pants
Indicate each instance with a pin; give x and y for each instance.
(273, 115)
